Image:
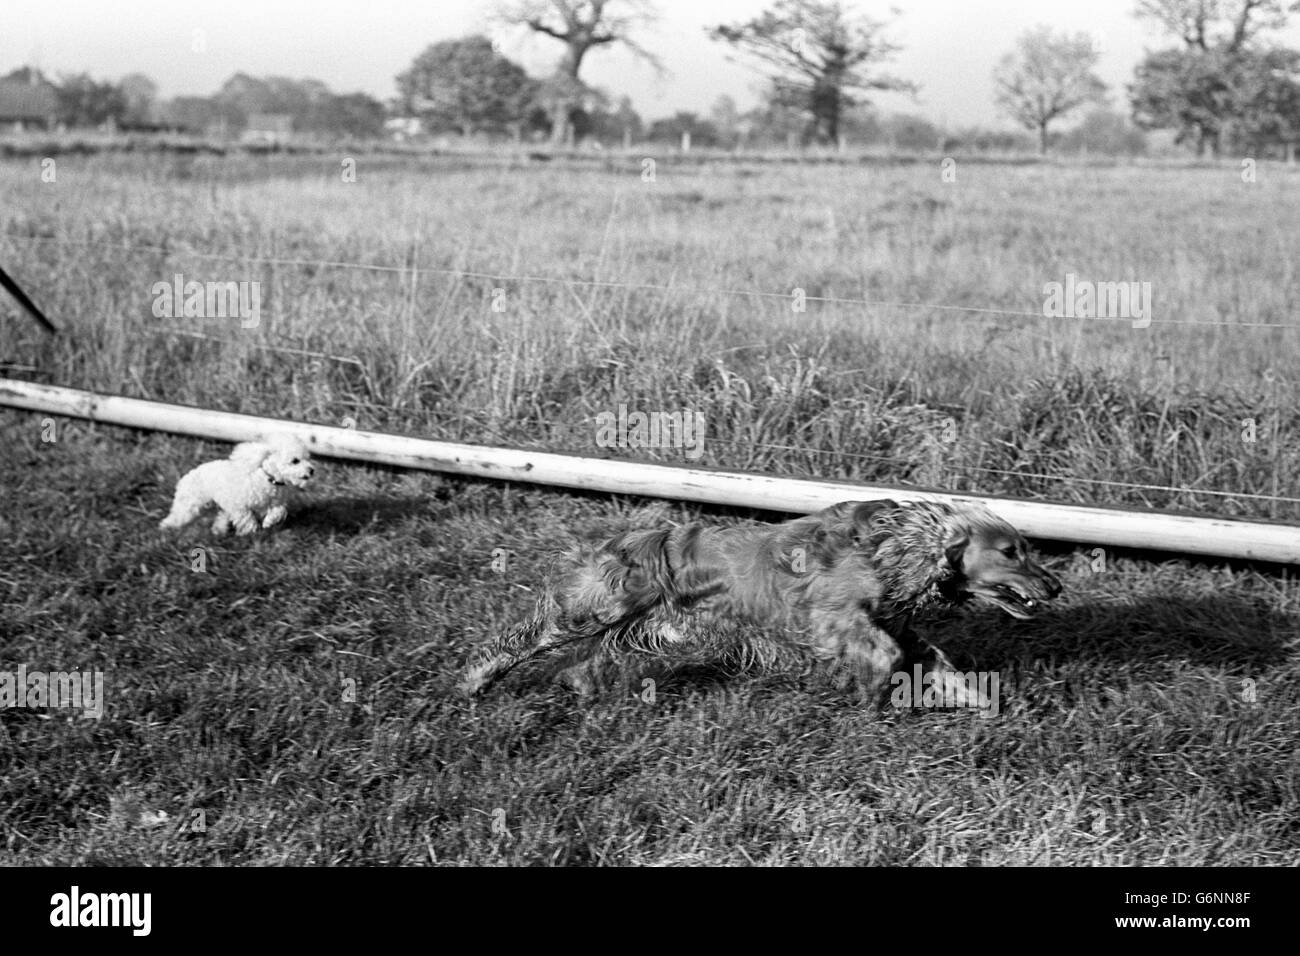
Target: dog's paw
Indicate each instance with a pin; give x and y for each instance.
(471, 685)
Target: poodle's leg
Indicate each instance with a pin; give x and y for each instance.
(245, 522)
(184, 510)
(274, 515)
(221, 524)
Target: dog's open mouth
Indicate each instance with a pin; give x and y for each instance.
(1011, 599)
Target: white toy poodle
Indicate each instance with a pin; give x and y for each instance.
(254, 484)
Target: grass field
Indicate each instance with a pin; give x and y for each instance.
(1149, 718)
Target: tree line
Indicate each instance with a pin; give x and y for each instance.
(1223, 83)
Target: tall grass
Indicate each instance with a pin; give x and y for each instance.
(899, 390)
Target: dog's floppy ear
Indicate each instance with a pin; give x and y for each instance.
(954, 548)
(847, 526)
(850, 521)
(864, 511)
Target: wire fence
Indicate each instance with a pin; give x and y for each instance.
(964, 474)
(407, 268)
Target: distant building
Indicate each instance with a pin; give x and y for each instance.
(403, 127)
(268, 129)
(27, 106)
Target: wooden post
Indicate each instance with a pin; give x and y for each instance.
(12, 287)
(1117, 527)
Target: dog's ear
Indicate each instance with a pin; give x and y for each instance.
(954, 549)
(251, 453)
(849, 522)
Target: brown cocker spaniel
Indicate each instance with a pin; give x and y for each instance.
(844, 583)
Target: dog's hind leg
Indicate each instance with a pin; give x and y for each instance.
(183, 512)
(245, 522)
(538, 634)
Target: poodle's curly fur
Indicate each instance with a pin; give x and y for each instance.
(251, 487)
(845, 583)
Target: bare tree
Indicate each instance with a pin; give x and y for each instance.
(1226, 25)
(1046, 77)
(819, 53)
(582, 26)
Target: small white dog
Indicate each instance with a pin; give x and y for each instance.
(254, 484)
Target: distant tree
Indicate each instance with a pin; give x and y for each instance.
(1188, 91)
(670, 130)
(776, 122)
(862, 124)
(1224, 25)
(1223, 86)
(612, 125)
(356, 115)
(1046, 77)
(467, 86)
(195, 113)
(1266, 91)
(28, 75)
(1106, 132)
(84, 101)
(141, 97)
(819, 55)
(913, 133)
(724, 116)
(582, 26)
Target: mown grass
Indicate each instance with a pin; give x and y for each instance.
(1151, 718)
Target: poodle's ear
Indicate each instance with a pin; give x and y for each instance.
(251, 453)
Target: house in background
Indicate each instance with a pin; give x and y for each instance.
(403, 128)
(26, 106)
(268, 129)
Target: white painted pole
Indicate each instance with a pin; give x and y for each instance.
(1117, 527)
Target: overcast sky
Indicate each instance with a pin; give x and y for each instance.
(949, 46)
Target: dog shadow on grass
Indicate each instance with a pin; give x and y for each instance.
(1221, 630)
(356, 514)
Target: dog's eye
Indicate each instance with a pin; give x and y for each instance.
(294, 462)
(1010, 551)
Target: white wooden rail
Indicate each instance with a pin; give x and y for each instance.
(1116, 527)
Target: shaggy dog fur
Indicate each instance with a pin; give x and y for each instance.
(845, 583)
(251, 487)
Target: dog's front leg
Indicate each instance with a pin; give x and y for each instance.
(917, 648)
(864, 653)
(274, 515)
